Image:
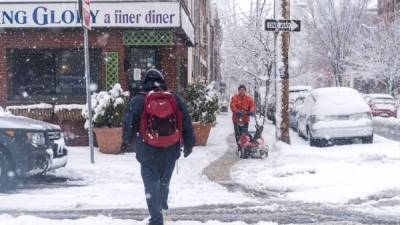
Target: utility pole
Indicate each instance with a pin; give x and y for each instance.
(285, 5)
(281, 64)
(281, 25)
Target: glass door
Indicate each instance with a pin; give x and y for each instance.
(138, 61)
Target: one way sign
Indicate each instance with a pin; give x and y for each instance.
(282, 25)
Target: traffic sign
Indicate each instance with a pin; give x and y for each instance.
(283, 25)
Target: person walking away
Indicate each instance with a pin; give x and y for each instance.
(161, 124)
(242, 107)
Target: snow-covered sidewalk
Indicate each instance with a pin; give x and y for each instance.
(363, 174)
(114, 182)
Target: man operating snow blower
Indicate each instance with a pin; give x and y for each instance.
(242, 107)
(250, 144)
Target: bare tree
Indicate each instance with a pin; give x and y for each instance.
(332, 28)
(248, 52)
(377, 55)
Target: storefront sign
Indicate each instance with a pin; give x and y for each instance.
(103, 14)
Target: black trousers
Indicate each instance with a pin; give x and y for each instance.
(239, 129)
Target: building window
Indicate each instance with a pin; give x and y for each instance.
(51, 75)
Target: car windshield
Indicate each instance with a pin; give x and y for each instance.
(383, 101)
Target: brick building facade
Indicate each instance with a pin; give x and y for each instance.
(41, 56)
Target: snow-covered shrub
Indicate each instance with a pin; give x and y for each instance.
(202, 103)
(108, 107)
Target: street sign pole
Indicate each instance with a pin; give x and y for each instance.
(88, 93)
(85, 19)
(282, 29)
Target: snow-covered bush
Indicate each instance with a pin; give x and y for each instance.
(108, 107)
(202, 103)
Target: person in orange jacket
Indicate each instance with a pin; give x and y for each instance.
(242, 107)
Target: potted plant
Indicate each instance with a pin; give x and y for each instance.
(203, 106)
(108, 108)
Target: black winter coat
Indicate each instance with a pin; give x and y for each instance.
(144, 152)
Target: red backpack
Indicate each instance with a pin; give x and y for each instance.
(161, 120)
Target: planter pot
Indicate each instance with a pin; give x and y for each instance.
(202, 131)
(109, 140)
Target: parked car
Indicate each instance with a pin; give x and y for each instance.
(334, 113)
(271, 108)
(224, 103)
(294, 92)
(382, 105)
(28, 147)
(293, 111)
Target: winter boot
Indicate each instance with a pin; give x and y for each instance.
(165, 216)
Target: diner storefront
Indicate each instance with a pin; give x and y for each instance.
(41, 48)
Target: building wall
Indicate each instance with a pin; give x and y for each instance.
(387, 9)
(107, 41)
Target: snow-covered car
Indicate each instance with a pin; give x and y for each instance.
(296, 106)
(224, 105)
(382, 105)
(334, 113)
(294, 92)
(29, 147)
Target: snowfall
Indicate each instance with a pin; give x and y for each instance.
(296, 172)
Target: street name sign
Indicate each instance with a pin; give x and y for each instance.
(283, 25)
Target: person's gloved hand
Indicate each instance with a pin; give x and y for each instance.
(187, 150)
(250, 113)
(124, 147)
(239, 114)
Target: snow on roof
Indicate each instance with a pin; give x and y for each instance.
(333, 90)
(300, 88)
(373, 4)
(380, 96)
(339, 101)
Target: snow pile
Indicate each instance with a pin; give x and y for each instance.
(30, 107)
(102, 220)
(68, 107)
(387, 121)
(338, 174)
(4, 113)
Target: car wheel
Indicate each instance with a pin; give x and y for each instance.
(313, 142)
(298, 129)
(4, 169)
(368, 140)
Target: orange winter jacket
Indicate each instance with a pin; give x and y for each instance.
(242, 104)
